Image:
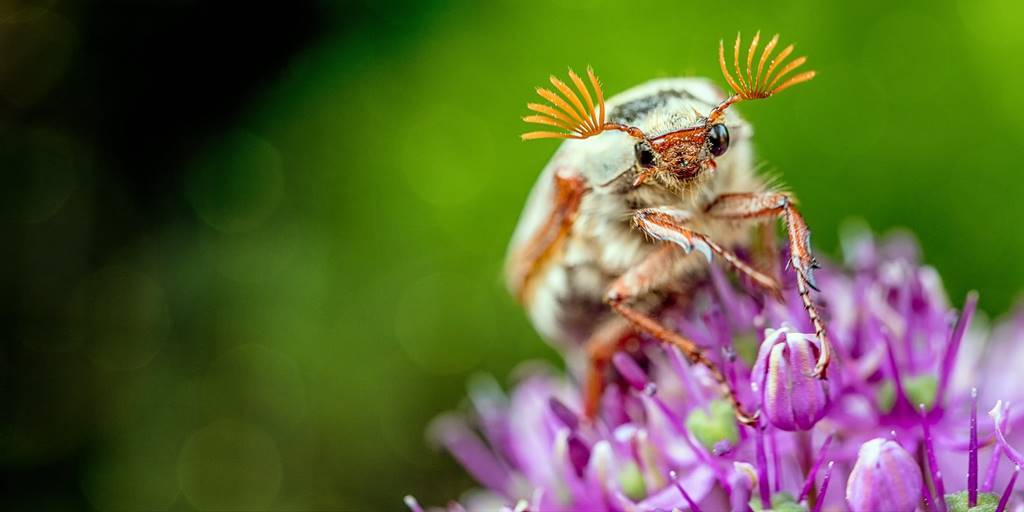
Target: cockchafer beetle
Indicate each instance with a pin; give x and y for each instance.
(643, 181)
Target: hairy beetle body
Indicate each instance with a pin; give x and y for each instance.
(642, 182)
(565, 297)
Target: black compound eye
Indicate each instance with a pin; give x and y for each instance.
(644, 154)
(718, 137)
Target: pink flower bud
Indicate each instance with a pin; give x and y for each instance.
(884, 479)
(791, 397)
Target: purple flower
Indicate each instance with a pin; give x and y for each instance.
(885, 478)
(790, 397)
(895, 425)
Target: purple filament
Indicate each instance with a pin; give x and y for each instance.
(679, 486)
(809, 482)
(762, 471)
(1009, 489)
(972, 471)
(933, 466)
(824, 487)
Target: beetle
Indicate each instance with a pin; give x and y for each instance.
(642, 184)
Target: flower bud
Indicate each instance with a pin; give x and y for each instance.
(885, 478)
(791, 397)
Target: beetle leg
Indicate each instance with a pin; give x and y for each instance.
(608, 339)
(640, 279)
(669, 225)
(766, 254)
(544, 244)
(775, 205)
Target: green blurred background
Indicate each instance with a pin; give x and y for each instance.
(250, 251)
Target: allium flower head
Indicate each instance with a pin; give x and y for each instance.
(895, 426)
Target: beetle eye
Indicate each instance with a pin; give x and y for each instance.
(718, 137)
(644, 154)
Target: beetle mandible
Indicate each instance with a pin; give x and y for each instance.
(643, 182)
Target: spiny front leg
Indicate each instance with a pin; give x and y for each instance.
(774, 205)
(669, 225)
(641, 279)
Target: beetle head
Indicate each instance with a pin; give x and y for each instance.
(682, 155)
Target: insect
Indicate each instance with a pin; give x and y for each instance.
(643, 185)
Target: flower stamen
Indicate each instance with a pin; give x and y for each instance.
(414, 506)
(1009, 489)
(953, 345)
(933, 466)
(563, 413)
(972, 464)
(993, 467)
(1001, 414)
(762, 470)
(809, 481)
(630, 371)
(824, 486)
(689, 501)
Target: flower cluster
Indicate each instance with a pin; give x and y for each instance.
(894, 428)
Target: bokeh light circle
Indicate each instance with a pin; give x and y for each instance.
(228, 465)
(444, 323)
(455, 169)
(253, 382)
(238, 185)
(149, 468)
(120, 317)
(35, 48)
(47, 166)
